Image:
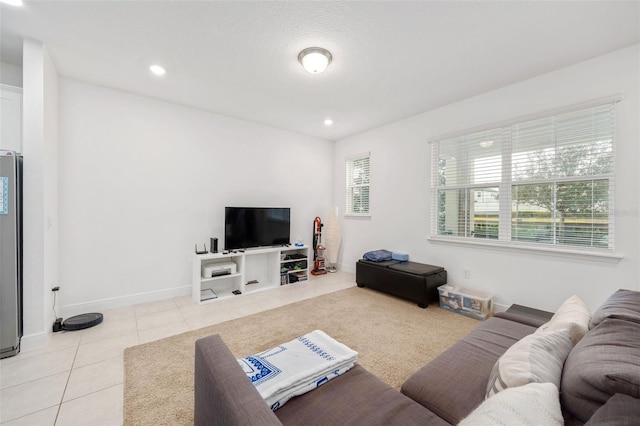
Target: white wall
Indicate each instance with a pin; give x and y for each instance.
(142, 181)
(400, 196)
(40, 191)
(10, 74)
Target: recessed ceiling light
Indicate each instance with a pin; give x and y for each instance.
(157, 69)
(486, 144)
(12, 2)
(328, 122)
(315, 59)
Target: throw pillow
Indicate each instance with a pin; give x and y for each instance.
(532, 404)
(573, 315)
(536, 358)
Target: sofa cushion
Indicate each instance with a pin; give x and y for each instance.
(623, 304)
(357, 397)
(537, 358)
(533, 404)
(619, 410)
(573, 315)
(455, 382)
(605, 362)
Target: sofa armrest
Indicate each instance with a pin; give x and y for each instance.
(526, 315)
(223, 394)
(531, 322)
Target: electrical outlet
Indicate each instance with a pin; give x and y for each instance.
(466, 273)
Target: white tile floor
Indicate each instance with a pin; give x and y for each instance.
(78, 378)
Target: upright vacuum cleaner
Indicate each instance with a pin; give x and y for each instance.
(318, 248)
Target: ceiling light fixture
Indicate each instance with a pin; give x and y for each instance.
(12, 2)
(157, 69)
(328, 122)
(486, 144)
(315, 59)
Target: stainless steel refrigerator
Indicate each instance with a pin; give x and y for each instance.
(10, 253)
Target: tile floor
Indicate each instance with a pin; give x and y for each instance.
(77, 379)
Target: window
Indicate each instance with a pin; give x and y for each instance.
(358, 185)
(546, 181)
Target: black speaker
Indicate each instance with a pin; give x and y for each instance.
(214, 245)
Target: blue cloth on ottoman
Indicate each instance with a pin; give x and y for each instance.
(377, 255)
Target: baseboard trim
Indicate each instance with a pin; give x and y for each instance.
(347, 268)
(34, 341)
(122, 301)
(497, 307)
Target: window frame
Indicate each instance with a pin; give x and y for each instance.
(508, 182)
(350, 184)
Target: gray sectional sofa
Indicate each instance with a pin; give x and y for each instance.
(600, 381)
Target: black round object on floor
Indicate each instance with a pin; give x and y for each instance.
(82, 321)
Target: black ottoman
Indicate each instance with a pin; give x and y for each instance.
(413, 281)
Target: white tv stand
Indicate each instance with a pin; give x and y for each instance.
(256, 269)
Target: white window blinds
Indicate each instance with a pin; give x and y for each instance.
(358, 185)
(546, 181)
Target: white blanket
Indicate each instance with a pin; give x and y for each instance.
(297, 367)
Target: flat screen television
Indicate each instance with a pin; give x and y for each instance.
(246, 227)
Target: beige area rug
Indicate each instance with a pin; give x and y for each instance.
(393, 338)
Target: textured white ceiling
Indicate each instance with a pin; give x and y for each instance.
(391, 60)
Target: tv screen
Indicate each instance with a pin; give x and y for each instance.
(246, 227)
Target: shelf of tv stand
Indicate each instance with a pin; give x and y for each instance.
(262, 264)
(219, 277)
